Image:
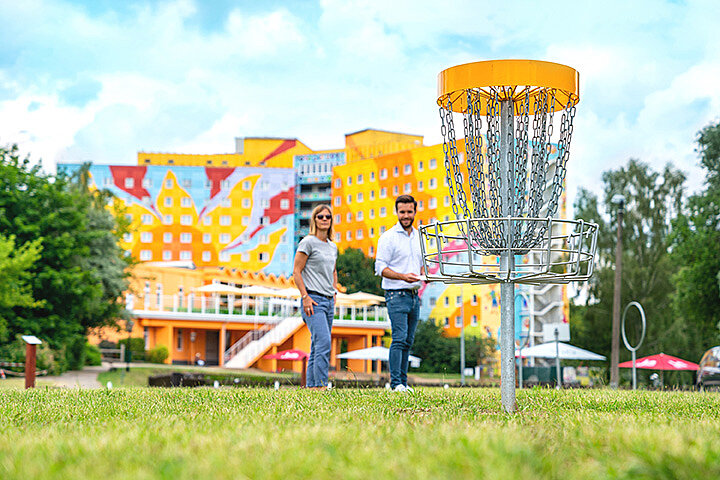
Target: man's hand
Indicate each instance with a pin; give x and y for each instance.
(411, 277)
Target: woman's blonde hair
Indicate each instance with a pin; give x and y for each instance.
(313, 222)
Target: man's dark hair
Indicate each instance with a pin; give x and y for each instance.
(405, 199)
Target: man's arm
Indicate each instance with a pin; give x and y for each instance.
(407, 277)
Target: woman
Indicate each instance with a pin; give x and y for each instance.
(315, 276)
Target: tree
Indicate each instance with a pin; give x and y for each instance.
(652, 200)
(442, 354)
(356, 272)
(15, 291)
(696, 249)
(79, 275)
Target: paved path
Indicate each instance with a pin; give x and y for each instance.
(85, 378)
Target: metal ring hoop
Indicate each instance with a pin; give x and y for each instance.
(642, 317)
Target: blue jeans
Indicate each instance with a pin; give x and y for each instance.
(404, 312)
(320, 325)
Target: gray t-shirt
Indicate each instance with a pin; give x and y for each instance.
(318, 272)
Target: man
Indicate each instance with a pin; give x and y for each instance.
(400, 264)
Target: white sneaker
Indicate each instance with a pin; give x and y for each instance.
(400, 388)
(409, 389)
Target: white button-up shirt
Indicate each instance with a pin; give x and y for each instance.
(400, 252)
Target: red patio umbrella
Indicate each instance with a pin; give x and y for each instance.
(661, 362)
(292, 355)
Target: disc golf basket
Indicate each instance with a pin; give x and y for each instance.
(506, 174)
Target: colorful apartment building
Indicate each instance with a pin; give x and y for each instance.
(245, 211)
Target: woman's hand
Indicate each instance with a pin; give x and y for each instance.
(308, 305)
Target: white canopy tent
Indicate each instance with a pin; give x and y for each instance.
(566, 352)
(219, 288)
(376, 353)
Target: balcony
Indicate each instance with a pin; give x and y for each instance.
(314, 196)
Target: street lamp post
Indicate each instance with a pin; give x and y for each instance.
(462, 335)
(128, 351)
(615, 346)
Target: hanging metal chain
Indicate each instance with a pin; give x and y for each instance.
(452, 166)
(563, 150)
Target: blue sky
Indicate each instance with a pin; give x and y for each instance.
(100, 80)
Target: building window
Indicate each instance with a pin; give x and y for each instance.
(349, 181)
(265, 202)
(337, 237)
(245, 257)
(383, 174)
(263, 239)
(396, 171)
(372, 194)
(263, 257)
(179, 336)
(359, 234)
(338, 183)
(447, 300)
(147, 219)
(146, 183)
(167, 219)
(245, 203)
(396, 190)
(372, 232)
(107, 181)
(284, 204)
(458, 300)
(265, 185)
(337, 218)
(146, 237)
(169, 183)
(474, 300)
(186, 238)
(458, 321)
(168, 202)
(420, 166)
(129, 183)
(264, 220)
(473, 321)
(382, 229)
(206, 238)
(186, 255)
(433, 163)
(167, 255)
(371, 252)
(145, 255)
(127, 237)
(225, 220)
(245, 221)
(224, 238)
(433, 183)
(359, 216)
(348, 235)
(421, 205)
(446, 201)
(186, 183)
(447, 322)
(185, 202)
(224, 256)
(372, 213)
(207, 220)
(433, 203)
(420, 186)
(206, 256)
(246, 185)
(208, 183)
(283, 257)
(408, 188)
(372, 176)
(226, 203)
(337, 201)
(408, 169)
(360, 179)
(185, 220)
(349, 199)
(360, 197)
(383, 211)
(383, 192)
(348, 217)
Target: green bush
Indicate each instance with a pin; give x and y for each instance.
(157, 354)
(92, 355)
(75, 353)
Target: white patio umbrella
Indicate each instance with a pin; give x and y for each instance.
(219, 288)
(376, 353)
(365, 298)
(289, 293)
(566, 352)
(258, 291)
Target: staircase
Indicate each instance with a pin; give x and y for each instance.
(256, 343)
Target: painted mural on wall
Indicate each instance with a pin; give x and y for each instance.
(235, 217)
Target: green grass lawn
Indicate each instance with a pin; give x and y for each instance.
(435, 433)
(138, 376)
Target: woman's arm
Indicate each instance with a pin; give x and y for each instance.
(299, 265)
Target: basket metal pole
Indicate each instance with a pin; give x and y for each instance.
(507, 261)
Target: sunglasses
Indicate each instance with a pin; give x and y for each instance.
(323, 217)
